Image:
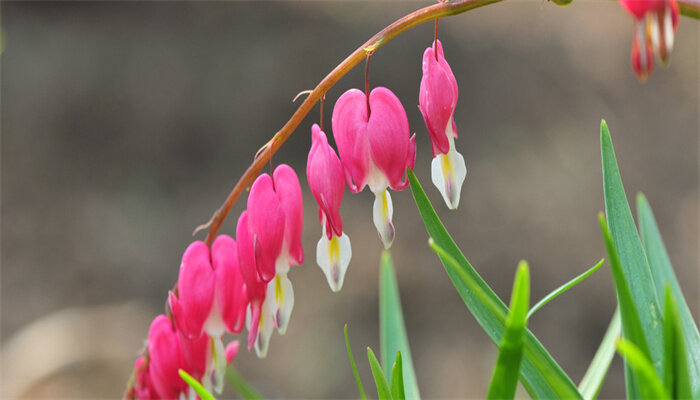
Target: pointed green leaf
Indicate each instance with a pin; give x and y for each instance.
(650, 386)
(632, 259)
(352, 363)
(383, 390)
(539, 373)
(632, 328)
(397, 389)
(663, 274)
(676, 376)
(241, 386)
(510, 353)
(595, 374)
(392, 330)
(563, 288)
(194, 384)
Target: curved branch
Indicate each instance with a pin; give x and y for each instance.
(690, 8)
(380, 39)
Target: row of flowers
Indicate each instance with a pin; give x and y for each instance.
(244, 282)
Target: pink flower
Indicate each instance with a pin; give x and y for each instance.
(375, 147)
(210, 299)
(324, 172)
(656, 22)
(437, 102)
(141, 386)
(165, 359)
(269, 242)
(193, 302)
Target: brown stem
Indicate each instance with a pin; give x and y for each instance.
(369, 111)
(435, 41)
(689, 8)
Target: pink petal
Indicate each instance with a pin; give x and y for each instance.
(438, 98)
(410, 162)
(229, 282)
(165, 358)
(266, 220)
(289, 193)
(195, 286)
(350, 132)
(195, 355)
(324, 173)
(388, 134)
(231, 351)
(638, 8)
(255, 288)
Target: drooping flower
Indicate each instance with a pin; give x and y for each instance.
(655, 24)
(269, 242)
(165, 359)
(324, 172)
(437, 102)
(210, 300)
(375, 147)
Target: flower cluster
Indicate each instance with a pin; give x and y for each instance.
(243, 282)
(375, 147)
(655, 23)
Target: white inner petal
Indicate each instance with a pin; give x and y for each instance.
(448, 172)
(382, 214)
(281, 295)
(333, 257)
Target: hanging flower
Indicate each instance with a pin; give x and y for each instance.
(269, 242)
(437, 102)
(324, 172)
(655, 24)
(375, 147)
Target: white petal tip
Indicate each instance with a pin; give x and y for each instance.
(333, 257)
(448, 172)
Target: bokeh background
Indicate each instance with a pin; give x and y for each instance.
(125, 125)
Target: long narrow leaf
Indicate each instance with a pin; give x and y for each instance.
(563, 288)
(392, 330)
(198, 388)
(650, 386)
(397, 387)
(633, 261)
(663, 274)
(631, 321)
(504, 380)
(595, 374)
(241, 386)
(540, 374)
(676, 376)
(383, 390)
(353, 365)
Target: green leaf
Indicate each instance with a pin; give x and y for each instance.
(561, 289)
(539, 373)
(663, 274)
(595, 374)
(383, 390)
(194, 384)
(635, 271)
(676, 376)
(650, 386)
(392, 330)
(631, 322)
(397, 389)
(241, 386)
(352, 363)
(505, 374)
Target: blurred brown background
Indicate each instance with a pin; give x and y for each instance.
(125, 125)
